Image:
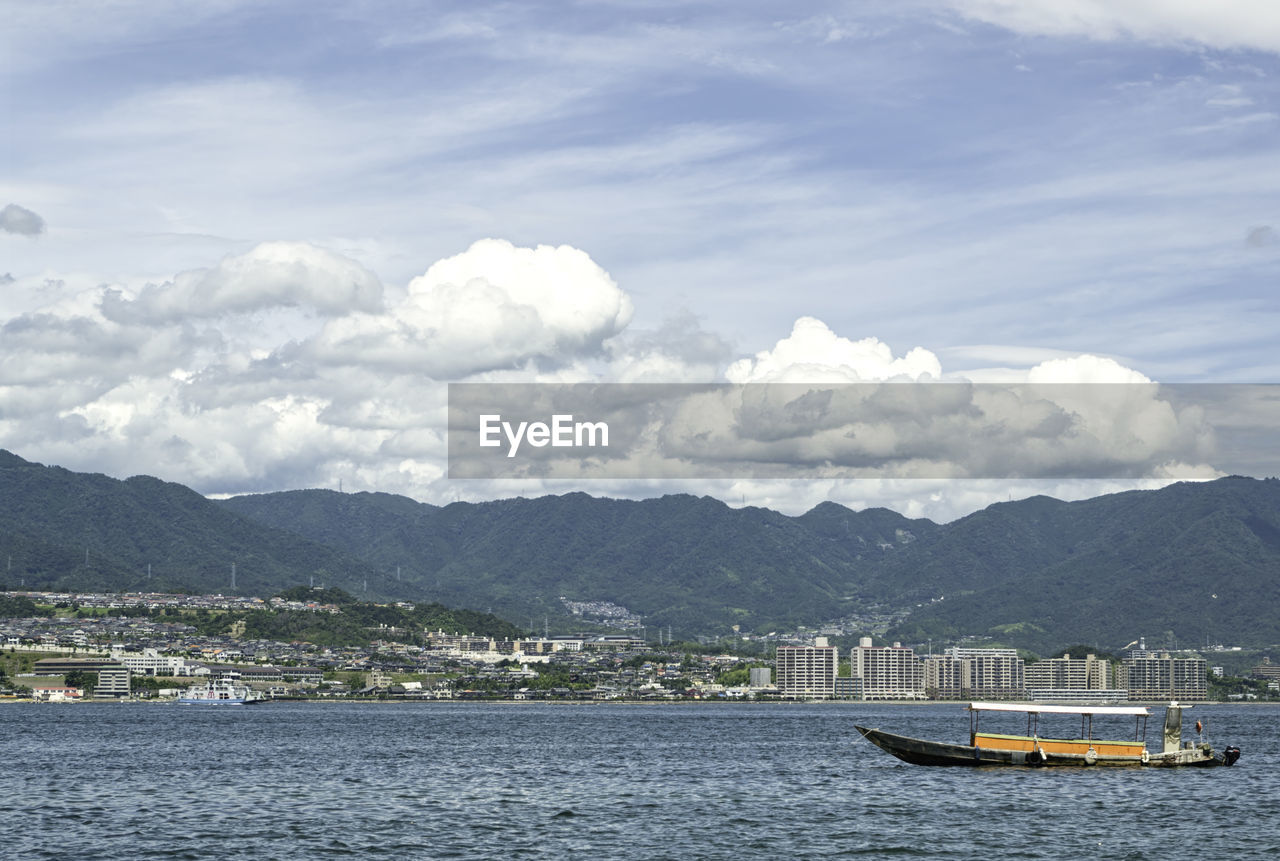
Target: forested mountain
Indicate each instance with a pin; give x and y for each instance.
(67, 530)
(1191, 562)
(689, 562)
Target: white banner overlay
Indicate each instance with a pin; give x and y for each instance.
(871, 430)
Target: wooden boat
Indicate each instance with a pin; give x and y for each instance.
(1035, 749)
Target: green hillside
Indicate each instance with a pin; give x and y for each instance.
(1191, 563)
(66, 530)
(688, 562)
(1036, 573)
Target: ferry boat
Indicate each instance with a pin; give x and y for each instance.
(217, 692)
(1036, 749)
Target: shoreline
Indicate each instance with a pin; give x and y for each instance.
(592, 702)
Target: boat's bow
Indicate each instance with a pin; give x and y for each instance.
(918, 751)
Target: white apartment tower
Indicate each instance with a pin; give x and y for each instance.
(807, 672)
(1162, 677)
(887, 672)
(993, 673)
(1068, 673)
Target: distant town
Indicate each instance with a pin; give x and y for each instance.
(145, 646)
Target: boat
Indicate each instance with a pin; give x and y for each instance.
(217, 692)
(1035, 749)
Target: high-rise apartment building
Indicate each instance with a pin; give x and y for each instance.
(1159, 676)
(1072, 680)
(993, 673)
(807, 672)
(974, 673)
(946, 678)
(887, 672)
(1089, 672)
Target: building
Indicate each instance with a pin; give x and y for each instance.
(807, 672)
(1078, 696)
(113, 681)
(310, 675)
(1159, 676)
(994, 674)
(760, 677)
(960, 673)
(946, 678)
(149, 662)
(887, 672)
(1266, 670)
(62, 666)
(1089, 673)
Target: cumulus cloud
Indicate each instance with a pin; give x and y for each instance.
(20, 220)
(155, 379)
(1084, 369)
(1226, 24)
(271, 275)
(492, 306)
(812, 353)
(110, 379)
(678, 351)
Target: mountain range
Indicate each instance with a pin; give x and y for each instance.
(1188, 564)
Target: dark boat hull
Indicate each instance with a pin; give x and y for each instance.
(921, 752)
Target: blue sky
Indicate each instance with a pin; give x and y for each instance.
(194, 189)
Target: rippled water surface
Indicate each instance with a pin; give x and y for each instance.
(450, 780)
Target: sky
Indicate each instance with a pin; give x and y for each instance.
(246, 246)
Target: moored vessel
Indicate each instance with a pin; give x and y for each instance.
(217, 692)
(1036, 748)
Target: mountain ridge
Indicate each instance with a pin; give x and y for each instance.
(1037, 573)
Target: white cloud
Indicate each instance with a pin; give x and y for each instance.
(20, 220)
(271, 275)
(1224, 24)
(812, 353)
(493, 306)
(1084, 369)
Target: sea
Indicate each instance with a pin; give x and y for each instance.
(534, 780)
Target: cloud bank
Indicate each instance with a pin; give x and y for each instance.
(288, 366)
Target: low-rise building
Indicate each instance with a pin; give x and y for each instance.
(149, 662)
(55, 693)
(1266, 670)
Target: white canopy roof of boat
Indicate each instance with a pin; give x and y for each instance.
(1036, 708)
